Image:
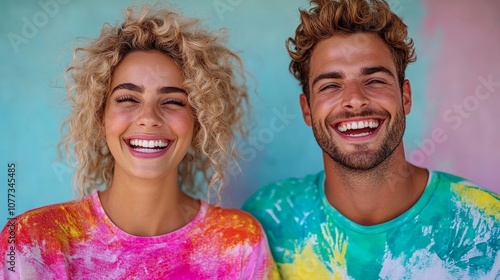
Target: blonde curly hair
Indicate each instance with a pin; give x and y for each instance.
(328, 18)
(213, 77)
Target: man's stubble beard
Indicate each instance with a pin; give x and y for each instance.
(361, 159)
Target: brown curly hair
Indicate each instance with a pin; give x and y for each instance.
(327, 18)
(213, 77)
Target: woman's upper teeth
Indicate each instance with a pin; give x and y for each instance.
(148, 143)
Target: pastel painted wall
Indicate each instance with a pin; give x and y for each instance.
(453, 125)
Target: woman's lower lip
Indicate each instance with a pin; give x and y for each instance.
(147, 153)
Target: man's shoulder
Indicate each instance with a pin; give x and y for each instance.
(446, 177)
(285, 207)
(285, 195)
(470, 195)
(462, 186)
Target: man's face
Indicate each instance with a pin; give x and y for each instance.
(355, 106)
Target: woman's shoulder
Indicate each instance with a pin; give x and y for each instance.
(232, 223)
(56, 212)
(60, 219)
(231, 217)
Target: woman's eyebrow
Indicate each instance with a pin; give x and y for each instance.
(128, 86)
(170, 89)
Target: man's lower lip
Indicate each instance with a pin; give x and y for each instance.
(356, 137)
(359, 136)
(140, 154)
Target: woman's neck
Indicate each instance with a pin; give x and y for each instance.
(147, 207)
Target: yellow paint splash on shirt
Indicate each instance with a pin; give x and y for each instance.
(73, 222)
(69, 228)
(306, 263)
(339, 249)
(473, 197)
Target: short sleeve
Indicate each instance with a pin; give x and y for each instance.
(260, 263)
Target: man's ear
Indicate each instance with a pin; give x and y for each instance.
(306, 110)
(407, 97)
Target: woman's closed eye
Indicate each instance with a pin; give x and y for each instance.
(126, 98)
(174, 101)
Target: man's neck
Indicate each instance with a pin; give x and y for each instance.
(375, 196)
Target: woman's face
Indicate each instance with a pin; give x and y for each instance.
(148, 121)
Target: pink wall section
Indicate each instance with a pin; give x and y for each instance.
(463, 89)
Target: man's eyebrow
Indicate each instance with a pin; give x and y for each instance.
(171, 90)
(328, 75)
(128, 86)
(377, 69)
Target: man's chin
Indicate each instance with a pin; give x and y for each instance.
(358, 161)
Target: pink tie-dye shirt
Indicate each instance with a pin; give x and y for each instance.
(76, 240)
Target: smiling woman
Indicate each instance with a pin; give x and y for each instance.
(156, 104)
(148, 122)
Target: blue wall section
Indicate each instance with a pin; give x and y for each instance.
(36, 41)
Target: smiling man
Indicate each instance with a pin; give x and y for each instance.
(370, 214)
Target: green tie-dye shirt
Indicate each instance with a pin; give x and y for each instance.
(452, 232)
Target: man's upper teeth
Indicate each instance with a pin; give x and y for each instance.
(357, 125)
(148, 143)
